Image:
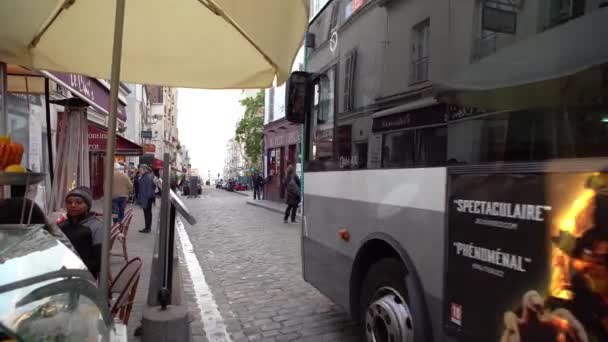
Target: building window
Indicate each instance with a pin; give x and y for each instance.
(561, 11)
(322, 124)
(420, 52)
(333, 22)
(271, 104)
(156, 94)
(415, 148)
(349, 79)
(484, 45)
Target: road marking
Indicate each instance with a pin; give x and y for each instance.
(212, 319)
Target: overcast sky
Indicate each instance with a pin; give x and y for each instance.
(206, 120)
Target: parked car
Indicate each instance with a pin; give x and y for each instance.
(240, 187)
(229, 186)
(47, 293)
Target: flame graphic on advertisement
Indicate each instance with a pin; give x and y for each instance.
(575, 221)
(569, 221)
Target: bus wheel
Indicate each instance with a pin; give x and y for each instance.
(387, 316)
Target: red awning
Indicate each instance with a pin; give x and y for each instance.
(98, 142)
(157, 164)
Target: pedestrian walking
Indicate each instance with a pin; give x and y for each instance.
(258, 183)
(135, 186)
(146, 195)
(121, 188)
(158, 182)
(83, 228)
(292, 194)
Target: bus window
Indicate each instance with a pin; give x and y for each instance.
(415, 148)
(353, 142)
(531, 135)
(321, 125)
(587, 132)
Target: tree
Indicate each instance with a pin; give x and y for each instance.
(249, 129)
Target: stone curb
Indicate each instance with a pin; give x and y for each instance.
(266, 206)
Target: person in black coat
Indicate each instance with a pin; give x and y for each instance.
(83, 228)
(292, 194)
(258, 183)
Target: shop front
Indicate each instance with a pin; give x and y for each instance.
(97, 147)
(81, 133)
(282, 148)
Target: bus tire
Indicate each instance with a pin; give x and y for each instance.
(384, 303)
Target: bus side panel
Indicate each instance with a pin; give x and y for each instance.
(406, 204)
(328, 270)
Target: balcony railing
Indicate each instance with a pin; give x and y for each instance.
(419, 70)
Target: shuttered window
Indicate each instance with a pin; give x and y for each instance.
(349, 80)
(333, 20)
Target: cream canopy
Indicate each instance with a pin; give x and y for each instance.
(185, 43)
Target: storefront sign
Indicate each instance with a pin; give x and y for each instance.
(98, 142)
(146, 134)
(89, 90)
(456, 112)
(410, 119)
(513, 243)
(149, 148)
(291, 137)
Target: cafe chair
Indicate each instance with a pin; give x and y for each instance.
(123, 289)
(121, 236)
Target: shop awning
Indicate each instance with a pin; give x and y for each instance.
(157, 164)
(88, 89)
(253, 42)
(23, 80)
(564, 66)
(98, 141)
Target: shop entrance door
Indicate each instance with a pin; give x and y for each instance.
(292, 155)
(96, 172)
(282, 171)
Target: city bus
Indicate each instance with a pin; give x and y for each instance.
(478, 210)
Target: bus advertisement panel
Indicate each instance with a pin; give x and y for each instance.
(527, 257)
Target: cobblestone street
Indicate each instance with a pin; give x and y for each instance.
(252, 263)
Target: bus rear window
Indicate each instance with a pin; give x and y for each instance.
(530, 135)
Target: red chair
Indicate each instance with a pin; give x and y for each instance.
(122, 234)
(123, 289)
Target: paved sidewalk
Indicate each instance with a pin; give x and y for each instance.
(272, 206)
(247, 193)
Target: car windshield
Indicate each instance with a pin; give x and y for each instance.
(46, 293)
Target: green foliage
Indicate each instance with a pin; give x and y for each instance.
(249, 130)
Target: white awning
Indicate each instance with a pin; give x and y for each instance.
(566, 65)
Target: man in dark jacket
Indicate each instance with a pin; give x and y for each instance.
(145, 195)
(83, 228)
(258, 183)
(292, 194)
(11, 210)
